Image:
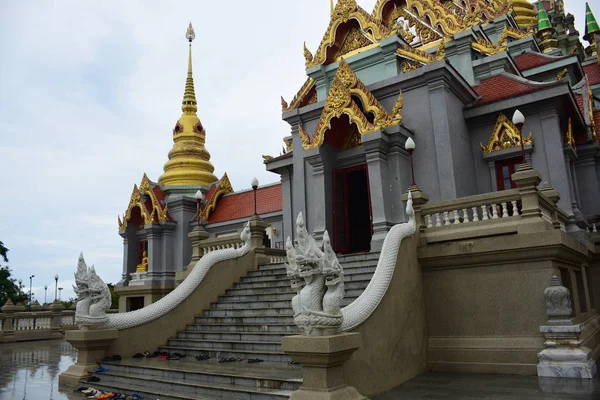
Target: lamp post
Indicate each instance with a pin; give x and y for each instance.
(45, 293)
(254, 187)
(55, 287)
(20, 281)
(30, 282)
(59, 293)
(518, 120)
(410, 148)
(199, 197)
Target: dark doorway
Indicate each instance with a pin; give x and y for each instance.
(134, 303)
(352, 210)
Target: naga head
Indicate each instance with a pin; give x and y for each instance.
(332, 270)
(409, 206)
(308, 253)
(82, 277)
(245, 235)
(293, 271)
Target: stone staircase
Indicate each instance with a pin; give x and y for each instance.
(249, 321)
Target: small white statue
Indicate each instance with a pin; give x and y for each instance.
(93, 296)
(316, 311)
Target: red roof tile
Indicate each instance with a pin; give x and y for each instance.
(241, 205)
(579, 100)
(593, 73)
(505, 86)
(531, 60)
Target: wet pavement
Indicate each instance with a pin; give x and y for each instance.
(29, 370)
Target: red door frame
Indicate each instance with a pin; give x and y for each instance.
(344, 173)
(511, 164)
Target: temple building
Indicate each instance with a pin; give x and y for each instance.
(445, 156)
(156, 224)
(451, 79)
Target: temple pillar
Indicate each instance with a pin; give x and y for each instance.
(587, 177)
(376, 147)
(287, 197)
(167, 253)
(320, 218)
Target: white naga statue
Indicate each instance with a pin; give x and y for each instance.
(317, 305)
(93, 296)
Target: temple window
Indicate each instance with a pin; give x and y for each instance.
(504, 170)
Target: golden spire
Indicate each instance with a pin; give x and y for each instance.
(189, 161)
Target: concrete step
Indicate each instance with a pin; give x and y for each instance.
(249, 327)
(257, 297)
(262, 320)
(250, 312)
(249, 291)
(355, 283)
(348, 267)
(253, 304)
(268, 356)
(233, 336)
(207, 379)
(227, 345)
(358, 273)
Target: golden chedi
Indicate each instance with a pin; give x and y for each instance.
(189, 161)
(524, 13)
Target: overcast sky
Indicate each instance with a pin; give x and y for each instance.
(89, 95)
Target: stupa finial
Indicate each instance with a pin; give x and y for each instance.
(189, 104)
(591, 25)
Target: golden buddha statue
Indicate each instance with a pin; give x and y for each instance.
(143, 266)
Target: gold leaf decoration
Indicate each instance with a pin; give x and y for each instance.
(504, 136)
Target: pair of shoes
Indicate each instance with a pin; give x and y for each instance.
(137, 396)
(89, 390)
(80, 389)
(254, 360)
(105, 396)
(163, 357)
(101, 369)
(178, 355)
(147, 354)
(229, 359)
(173, 357)
(93, 379)
(114, 357)
(202, 357)
(294, 363)
(138, 355)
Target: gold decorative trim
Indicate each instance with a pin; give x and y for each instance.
(339, 101)
(301, 95)
(486, 47)
(504, 136)
(344, 11)
(353, 41)
(158, 214)
(569, 139)
(513, 33)
(420, 56)
(223, 188)
(562, 74)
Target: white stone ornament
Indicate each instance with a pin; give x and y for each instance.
(173, 299)
(93, 296)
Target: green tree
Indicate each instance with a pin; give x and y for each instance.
(9, 289)
(3, 251)
(113, 296)
(68, 303)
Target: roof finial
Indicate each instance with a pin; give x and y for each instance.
(331, 6)
(189, 104)
(591, 25)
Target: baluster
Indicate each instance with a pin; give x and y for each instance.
(466, 219)
(428, 221)
(446, 218)
(515, 209)
(475, 214)
(456, 219)
(494, 211)
(504, 210)
(594, 228)
(484, 213)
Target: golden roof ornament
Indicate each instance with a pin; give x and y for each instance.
(189, 161)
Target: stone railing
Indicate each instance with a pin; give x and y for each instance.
(226, 242)
(495, 213)
(44, 322)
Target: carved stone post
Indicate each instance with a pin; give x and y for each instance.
(419, 199)
(564, 357)
(527, 180)
(8, 328)
(257, 231)
(197, 235)
(322, 359)
(547, 190)
(56, 308)
(91, 346)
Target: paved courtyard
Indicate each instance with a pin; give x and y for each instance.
(30, 370)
